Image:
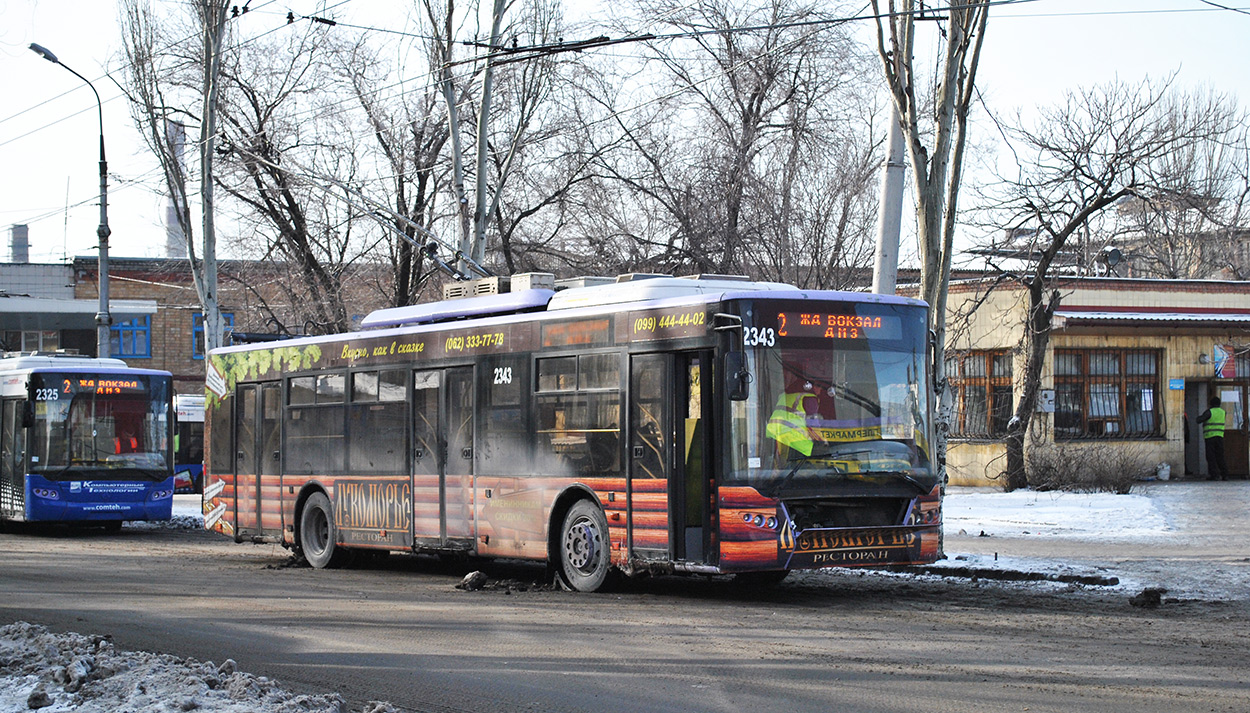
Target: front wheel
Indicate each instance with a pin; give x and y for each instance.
(585, 557)
(316, 533)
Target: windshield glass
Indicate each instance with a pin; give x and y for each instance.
(839, 399)
(100, 427)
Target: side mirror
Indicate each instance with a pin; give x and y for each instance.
(737, 378)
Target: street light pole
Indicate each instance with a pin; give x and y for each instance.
(102, 318)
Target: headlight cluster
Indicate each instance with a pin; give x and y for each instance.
(46, 493)
(162, 494)
(759, 520)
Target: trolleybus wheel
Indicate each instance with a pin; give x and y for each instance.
(585, 557)
(112, 525)
(316, 533)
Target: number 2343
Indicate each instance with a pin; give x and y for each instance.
(759, 337)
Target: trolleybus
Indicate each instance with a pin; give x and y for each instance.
(665, 425)
(84, 440)
(188, 443)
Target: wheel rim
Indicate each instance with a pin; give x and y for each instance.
(583, 545)
(318, 531)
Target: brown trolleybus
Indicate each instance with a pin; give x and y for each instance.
(661, 425)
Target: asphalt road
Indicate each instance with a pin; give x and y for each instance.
(843, 641)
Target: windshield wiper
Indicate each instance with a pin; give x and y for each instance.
(781, 484)
(907, 477)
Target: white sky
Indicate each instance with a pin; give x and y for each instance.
(49, 130)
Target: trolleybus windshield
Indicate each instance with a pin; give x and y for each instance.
(99, 426)
(838, 399)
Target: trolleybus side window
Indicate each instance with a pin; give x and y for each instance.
(377, 422)
(578, 409)
(504, 440)
(316, 428)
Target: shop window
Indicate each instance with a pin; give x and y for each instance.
(1106, 393)
(131, 338)
(983, 393)
(32, 340)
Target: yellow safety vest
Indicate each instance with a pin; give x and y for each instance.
(1214, 427)
(788, 423)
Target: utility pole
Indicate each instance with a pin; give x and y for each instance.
(889, 212)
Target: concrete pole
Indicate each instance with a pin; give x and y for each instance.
(889, 212)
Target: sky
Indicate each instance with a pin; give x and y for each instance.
(49, 131)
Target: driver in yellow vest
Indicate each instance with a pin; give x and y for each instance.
(788, 423)
(1213, 420)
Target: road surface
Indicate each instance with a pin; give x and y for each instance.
(844, 641)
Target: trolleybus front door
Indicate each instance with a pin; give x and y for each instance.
(442, 457)
(668, 465)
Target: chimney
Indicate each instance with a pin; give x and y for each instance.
(175, 242)
(19, 243)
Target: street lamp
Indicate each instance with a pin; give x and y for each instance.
(102, 319)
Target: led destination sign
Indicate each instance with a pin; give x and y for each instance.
(838, 326)
(54, 387)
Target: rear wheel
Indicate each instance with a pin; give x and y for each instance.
(316, 533)
(585, 557)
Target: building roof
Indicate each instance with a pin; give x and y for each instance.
(22, 312)
(1092, 316)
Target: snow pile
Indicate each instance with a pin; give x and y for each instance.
(58, 673)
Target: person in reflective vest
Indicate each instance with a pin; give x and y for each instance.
(788, 423)
(1212, 421)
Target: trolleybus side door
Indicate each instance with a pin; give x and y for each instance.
(257, 456)
(650, 454)
(442, 488)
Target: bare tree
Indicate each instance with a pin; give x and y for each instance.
(1195, 223)
(410, 136)
(159, 88)
(1099, 146)
(935, 143)
(285, 171)
(743, 155)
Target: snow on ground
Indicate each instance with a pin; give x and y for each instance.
(60, 673)
(1052, 514)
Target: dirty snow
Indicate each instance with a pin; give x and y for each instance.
(64, 673)
(59, 673)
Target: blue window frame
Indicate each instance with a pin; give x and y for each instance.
(197, 332)
(131, 338)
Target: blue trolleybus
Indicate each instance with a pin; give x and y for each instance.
(84, 440)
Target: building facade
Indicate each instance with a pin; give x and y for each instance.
(1130, 366)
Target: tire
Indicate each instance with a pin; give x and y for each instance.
(112, 525)
(317, 533)
(584, 548)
